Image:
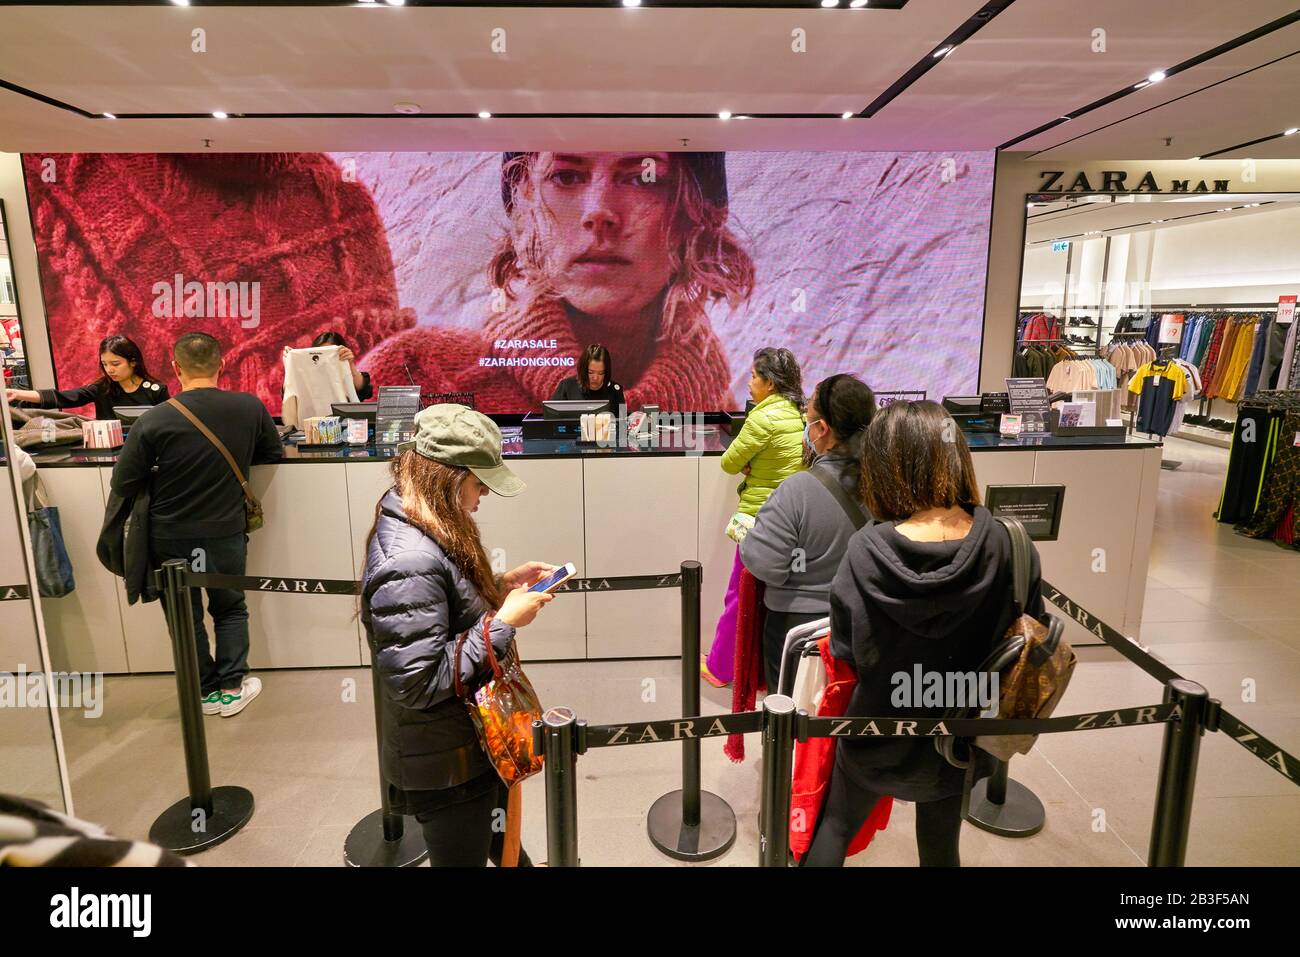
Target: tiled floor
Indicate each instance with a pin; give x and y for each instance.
(1220, 609)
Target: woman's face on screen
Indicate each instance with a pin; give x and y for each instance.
(603, 227)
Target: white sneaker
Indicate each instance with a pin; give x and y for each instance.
(212, 703)
(233, 703)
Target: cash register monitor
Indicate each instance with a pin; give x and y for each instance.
(127, 414)
(573, 408)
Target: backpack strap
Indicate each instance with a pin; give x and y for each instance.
(1020, 562)
(832, 485)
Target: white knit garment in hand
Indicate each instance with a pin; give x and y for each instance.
(314, 379)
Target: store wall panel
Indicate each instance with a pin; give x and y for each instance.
(1092, 559)
(84, 629)
(144, 628)
(642, 519)
(1144, 530)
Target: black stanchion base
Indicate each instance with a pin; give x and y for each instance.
(179, 830)
(711, 838)
(1022, 814)
(366, 847)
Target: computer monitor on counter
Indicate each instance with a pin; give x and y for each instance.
(573, 408)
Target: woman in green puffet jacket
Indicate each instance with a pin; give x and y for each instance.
(768, 450)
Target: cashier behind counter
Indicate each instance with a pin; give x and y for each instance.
(595, 379)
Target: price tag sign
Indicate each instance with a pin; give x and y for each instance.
(1285, 310)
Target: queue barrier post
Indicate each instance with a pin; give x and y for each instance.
(1176, 780)
(208, 815)
(555, 736)
(1005, 807)
(690, 824)
(380, 839)
(778, 770)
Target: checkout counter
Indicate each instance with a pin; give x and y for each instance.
(638, 508)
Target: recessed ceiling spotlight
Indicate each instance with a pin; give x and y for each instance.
(942, 51)
(1292, 131)
(631, 3)
(743, 116)
(724, 115)
(830, 3)
(407, 107)
(858, 4)
(1156, 77)
(218, 115)
(846, 115)
(181, 3)
(1195, 158)
(108, 116)
(484, 115)
(396, 3)
(1138, 86)
(1154, 221)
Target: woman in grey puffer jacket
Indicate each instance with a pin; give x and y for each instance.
(427, 580)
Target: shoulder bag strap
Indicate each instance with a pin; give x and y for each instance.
(1020, 564)
(832, 485)
(216, 442)
(489, 651)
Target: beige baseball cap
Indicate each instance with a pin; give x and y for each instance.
(457, 435)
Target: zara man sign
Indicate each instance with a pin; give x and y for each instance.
(1118, 180)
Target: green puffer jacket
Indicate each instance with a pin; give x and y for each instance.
(771, 444)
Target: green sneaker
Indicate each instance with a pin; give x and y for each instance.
(212, 703)
(233, 702)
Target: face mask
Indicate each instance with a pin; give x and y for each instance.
(807, 438)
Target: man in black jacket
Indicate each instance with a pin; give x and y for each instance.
(197, 507)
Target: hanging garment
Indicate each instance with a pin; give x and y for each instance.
(1212, 354)
(314, 379)
(1263, 345)
(1281, 488)
(1254, 442)
(1289, 375)
(1158, 386)
(1193, 377)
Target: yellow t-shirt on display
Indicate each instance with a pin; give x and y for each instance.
(1156, 369)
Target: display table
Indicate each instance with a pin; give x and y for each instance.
(611, 512)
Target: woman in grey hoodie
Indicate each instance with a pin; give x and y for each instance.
(802, 530)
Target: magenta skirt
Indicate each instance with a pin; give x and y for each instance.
(722, 655)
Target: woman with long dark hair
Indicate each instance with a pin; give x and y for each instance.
(925, 588)
(123, 380)
(801, 532)
(768, 450)
(427, 580)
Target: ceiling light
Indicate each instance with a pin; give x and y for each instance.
(484, 115)
(830, 3)
(846, 115)
(396, 3)
(1138, 86)
(631, 3)
(108, 116)
(942, 51)
(724, 115)
(857, 4)
(1195, 158)
(181, 3)
(743, 116)
(1292, 131)
(218, 115)
(1156, 77)
(1154, 221)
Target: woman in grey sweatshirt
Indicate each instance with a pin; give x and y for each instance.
(801, 532)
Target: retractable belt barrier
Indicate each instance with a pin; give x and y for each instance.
(676, 824)
(1220, 719)
(380, 839)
